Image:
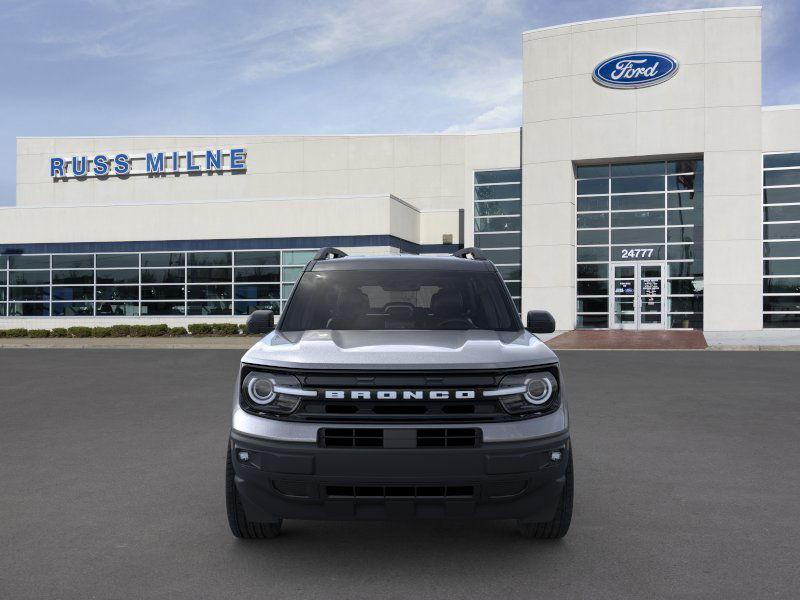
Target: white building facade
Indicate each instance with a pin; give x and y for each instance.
(647, 188)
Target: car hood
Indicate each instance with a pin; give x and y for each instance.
(397, 350)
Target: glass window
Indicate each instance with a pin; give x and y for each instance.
(162, 309)
(209, 259)
(66, 277)
(592, 220)
(694, 321)
(684, 182)
(163, 276)
(782, 249)
(685, 286)
(73, 261)
(2, 278)
(209, 275)
(495, 192)
(680, 269)
(684, 166)
(25, 261)
(785, 320)
(592, 254)
(83, 292)
(498, 240)
(680, 252)
(497, 224)
(511, 273)
(685, 199)
(499, 176)
(29, 293)
(637, 219)
(29, 277)
(782, 231)
(500, 207)
(637, 202)
(287, 289)
(220, 307)
(114, 261)
(117, 309)
(28, 309)
(637, 236)
(592, 236)
(257, 274)
(624, 185)
(163, 259)
(592, 186)
(514, 287)
(292, 273)
(208, 292)
(782, 195)
(782, 267)
(589, 171)
(693, 304)
(782, 285)
(298, 257)
(593, 305)
(117, 292)
(258, 258)
(592, 288)
(788, 177)
(117, 275)
(73, 309)
(592, 271)
(592, 203)
(162, 292)
(782, 213)
(256, 292)
(682, 217)
(649, 168)
(246, 308)
(790, 159)
(3, 262)
(592, 321)
(504, 257)
(782, 303)
(680, 234)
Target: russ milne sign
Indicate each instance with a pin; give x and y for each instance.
(151, 163)
(635, 70)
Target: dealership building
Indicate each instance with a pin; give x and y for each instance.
(646, 188)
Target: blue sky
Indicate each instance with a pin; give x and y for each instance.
(104, 67)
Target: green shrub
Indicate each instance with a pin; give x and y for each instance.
(225, 329)
(101, 332)
(138, 331)
(2, 333)
(157, 330)
(17, 332)
(120, 330)
(80, 332)
(38, 333)
(177, 331)
(242, 328)
(201, 329)
(59, 332)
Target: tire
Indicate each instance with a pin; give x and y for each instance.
(240, 526)
(558, 527)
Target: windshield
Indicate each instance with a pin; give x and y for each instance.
(380, 300)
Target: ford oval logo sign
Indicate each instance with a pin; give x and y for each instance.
(635, 70)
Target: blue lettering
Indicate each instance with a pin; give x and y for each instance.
(190, 166)
(123, 165)
(213, 160)
(100, 164)
(155, 162)
(237, 159)
(176, 162)
(56, 167)
(77, 170)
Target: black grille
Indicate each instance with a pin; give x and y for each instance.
(400, 491)
(334, 437)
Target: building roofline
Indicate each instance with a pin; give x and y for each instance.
(652, 14)
(262, 135)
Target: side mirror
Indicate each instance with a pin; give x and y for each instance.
(540, 321)
(261, 321)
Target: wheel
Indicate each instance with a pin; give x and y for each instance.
(558, 527)
(240, 526)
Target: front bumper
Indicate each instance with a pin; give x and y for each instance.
(512, 480)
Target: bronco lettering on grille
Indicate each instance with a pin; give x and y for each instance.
(399, 394)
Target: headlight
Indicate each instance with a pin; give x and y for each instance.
(271, 393)
(525, 393)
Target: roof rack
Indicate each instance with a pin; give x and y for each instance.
(474, 253)
(326, 253)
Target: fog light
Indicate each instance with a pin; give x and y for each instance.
(243, 455)
(555, 455)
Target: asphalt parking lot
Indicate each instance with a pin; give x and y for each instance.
(111, 486)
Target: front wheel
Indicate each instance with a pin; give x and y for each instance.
(558, 527)
(240, 526)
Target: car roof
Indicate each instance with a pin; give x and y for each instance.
(400, 262)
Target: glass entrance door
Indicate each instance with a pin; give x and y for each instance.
(637, 295)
